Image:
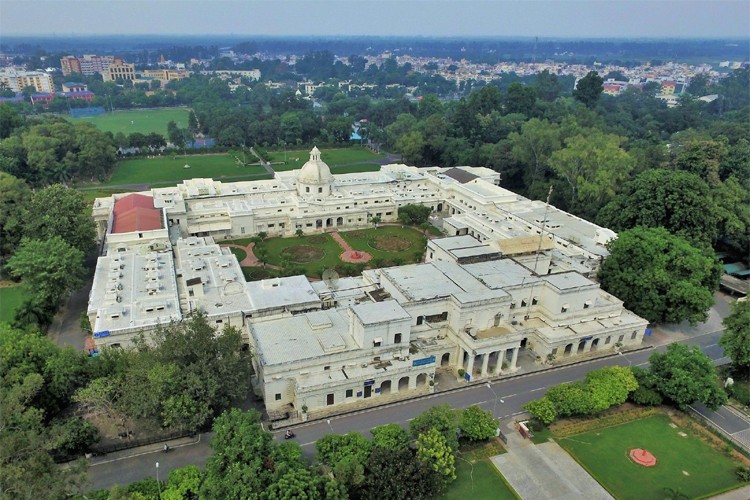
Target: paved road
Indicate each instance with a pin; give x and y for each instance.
(504, 398)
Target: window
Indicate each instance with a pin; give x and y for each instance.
(534, 301)
(242, 230)
(607, 340)
(523, 303)
(218, 321)
(271, 225)
(376, 343)
(278, 396)
(634, 335)
(307, 189)
(554, 351)
(327, 367)
(622, 337)
(564, 308)
(512, 305)
(397, 338)
(349, 393)
(320, 190)
(389, 213)
(587, 304)
(329, 399)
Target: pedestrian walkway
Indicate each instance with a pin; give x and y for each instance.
(350, 255)
(250, 260)
(544, 471)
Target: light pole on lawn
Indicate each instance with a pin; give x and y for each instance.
(158, 484)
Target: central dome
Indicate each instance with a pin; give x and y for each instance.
(315, 171)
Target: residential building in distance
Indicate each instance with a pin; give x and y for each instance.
(510, 284)
(165, 75)
(17, 79)
(88, 64)
(74, 87)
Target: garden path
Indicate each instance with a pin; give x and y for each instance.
(250, 260)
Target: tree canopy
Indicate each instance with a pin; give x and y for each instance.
(736, 337)
(659, 276)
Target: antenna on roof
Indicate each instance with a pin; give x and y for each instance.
(331, 278)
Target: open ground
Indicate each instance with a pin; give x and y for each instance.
(685, 463)
(477, 478)
(340, 161)
(10, 298)
(144, 121)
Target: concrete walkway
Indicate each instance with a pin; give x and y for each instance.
(545, 471)
(250, 260)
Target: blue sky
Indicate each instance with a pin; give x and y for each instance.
(544, 18)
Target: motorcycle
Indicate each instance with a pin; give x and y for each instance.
(289, 435)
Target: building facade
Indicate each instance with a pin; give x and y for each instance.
(17, 80)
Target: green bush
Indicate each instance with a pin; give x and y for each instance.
(743, 474)
(740, 392)
(646, 396)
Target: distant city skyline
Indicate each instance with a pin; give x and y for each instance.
(457, 18)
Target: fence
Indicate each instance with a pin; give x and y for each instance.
(134, 443)
(87, 112)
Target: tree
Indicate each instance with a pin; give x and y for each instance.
(411, 146)
(547, 86)
(610, 386)
(736, 337)
(58, 211)
(332, 448)
(183, 483)
(442, 418)
(433, 450)
(594, 166)
(685, 375)
(390, 436)
(571, 399)
(542, 409)
(520, 99)
(14, 193)
(589, 88)
(534, 145)
(477, 424)
(49, 270)
(678, 201)
(659, 276)
(397, 474)
(414, 215)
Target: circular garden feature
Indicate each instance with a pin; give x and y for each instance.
(317, 239)
(303, 253)
(642, 457)
(390, 243)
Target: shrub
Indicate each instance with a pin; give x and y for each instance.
(740, 392)
(646, 396)
(743, 474)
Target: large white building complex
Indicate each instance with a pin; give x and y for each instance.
(510, 280)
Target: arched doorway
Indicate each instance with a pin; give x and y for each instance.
(340, 221)
(581, 345)
(440, 207)
(595, 344)
(421, 379)
(329, 222)
(319, 223)
(385, 387)
(446, 359)
(568, 349)
(524, 341)
(403, 384)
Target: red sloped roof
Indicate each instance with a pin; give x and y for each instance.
(136, 212)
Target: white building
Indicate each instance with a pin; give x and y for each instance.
(16, 80)
(510, 281)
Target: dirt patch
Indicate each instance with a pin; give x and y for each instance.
(303, 253)
(318, 239)
(390, 243)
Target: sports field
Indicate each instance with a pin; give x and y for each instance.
(144, 121)
(685, 464)
(340, 161)
(10, 298)
(171, 169)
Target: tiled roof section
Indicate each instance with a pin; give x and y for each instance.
(136, 212)
(461, 176)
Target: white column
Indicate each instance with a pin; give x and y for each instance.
(515, 358)
(500, 358)
(470, 367)
(485, 362)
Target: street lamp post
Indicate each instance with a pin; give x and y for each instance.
(158, 484)
(630, 363)
(494, 406)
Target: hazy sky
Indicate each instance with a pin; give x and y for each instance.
(544, 18)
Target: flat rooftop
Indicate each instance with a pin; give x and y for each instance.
(277, 293)
(371, 313)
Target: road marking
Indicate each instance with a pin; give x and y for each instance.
(538, 389)
(510, 396)
(711, 345)
(159, 450)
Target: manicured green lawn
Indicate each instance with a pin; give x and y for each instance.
(144, 121)
(170, 169)
(10, 298)
(239, 253)
(685, 464)
(480, 482)
(339, 160)
(258, 273)
(377, 242)
(328, 249)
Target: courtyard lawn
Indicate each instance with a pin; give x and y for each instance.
(313, 253)
(388, 245)
(239, 253)
(170, 170)
(684, 464)
(339, 160)
(144, 121)
(10, 298)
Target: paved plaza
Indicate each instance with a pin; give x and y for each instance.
(545, 471)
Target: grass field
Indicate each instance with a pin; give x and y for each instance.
(476, 477)
(10, 298)
(685, 464)
(339, 160)
(388, 243)
(144, 121)
(328, 250)
(170, 170)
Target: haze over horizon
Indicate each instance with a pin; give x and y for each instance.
(428, 18)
